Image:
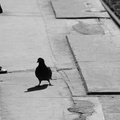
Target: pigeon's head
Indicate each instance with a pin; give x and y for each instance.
(40, 60)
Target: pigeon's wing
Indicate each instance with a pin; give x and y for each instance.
(49, 73)
(37, 72)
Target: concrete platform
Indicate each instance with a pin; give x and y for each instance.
(78, 9)
(98, 59)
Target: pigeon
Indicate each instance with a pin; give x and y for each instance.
(43, 72)
(1, 11)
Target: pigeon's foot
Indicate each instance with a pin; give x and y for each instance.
(50, 85)
(38, 85)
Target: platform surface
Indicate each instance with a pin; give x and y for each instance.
(78, 9)
(98, 57)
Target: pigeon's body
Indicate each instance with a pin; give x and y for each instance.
(43, 72)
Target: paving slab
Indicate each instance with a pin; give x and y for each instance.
(74, 82)
(95, 48)
(101, 77)
(110, 107)
(78, 9)
(98, 60)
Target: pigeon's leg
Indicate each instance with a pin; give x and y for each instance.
(49, 83)
(39, 83)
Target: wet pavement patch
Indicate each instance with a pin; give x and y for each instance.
(83, 107)
(88, 29)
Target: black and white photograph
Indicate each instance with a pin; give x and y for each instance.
(59, 59)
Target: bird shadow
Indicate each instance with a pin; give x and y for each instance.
(36, 88)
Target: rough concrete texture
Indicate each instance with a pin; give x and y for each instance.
(111, 107)
(95, 48)
(97, 57)
(110, 27)
(20, 44)
(74, 82)
(80, 9)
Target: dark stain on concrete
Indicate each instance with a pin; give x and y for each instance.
(88, 29)
(82, 107)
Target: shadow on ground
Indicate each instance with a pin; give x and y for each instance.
(36, 88)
